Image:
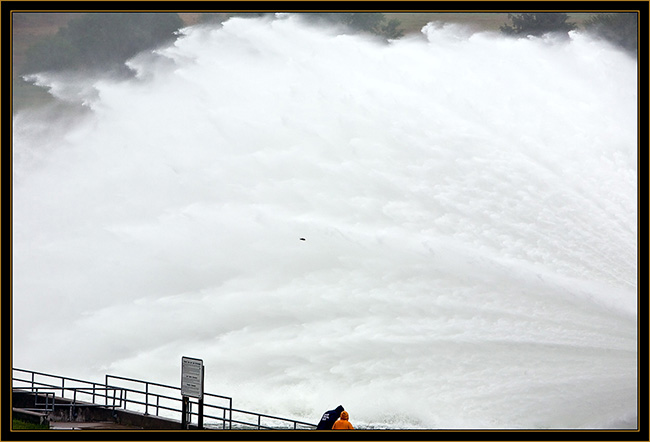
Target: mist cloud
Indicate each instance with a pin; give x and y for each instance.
(468, 205)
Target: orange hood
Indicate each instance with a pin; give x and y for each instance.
(344, 415)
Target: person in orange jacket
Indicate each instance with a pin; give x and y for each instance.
(343, 423)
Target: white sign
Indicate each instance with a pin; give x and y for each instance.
(192, 377)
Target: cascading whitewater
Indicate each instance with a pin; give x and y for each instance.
(467, 203)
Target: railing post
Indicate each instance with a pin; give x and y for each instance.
(146, 398)
(184, 420)
(200, 420)
(188, 405)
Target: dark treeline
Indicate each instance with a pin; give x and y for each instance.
(107, 39)
(101, 40)
(370, 22)
(538, 24)
(618, 28)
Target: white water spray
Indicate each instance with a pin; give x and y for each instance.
(468, 204)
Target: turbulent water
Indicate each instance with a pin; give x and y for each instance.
(434, 232)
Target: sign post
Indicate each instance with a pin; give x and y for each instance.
(191, 386)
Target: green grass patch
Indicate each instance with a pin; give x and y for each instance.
(17, 424)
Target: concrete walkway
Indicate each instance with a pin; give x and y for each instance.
(90, 426)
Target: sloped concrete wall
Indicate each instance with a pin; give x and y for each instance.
(146, 421)
(84, 412)
(31, 416)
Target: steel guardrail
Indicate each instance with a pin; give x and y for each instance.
(140, 400)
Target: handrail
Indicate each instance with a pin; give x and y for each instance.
(260, 415)
(48, 406)
(35, 385)
(45, 389)
(146, 392)
(141, 399)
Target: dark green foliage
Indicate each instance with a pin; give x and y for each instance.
(220, 17)
(538, 24)
(357, 21)
(101, 40)
(251, 14)
(363, 21)
(213, 17)
(390, 30)
(371, 22)
(619, 28)
(51, 54)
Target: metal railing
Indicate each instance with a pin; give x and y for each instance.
(270, 422)
(40, 393)
(166, 401)
(76, 389)
(151, 398)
